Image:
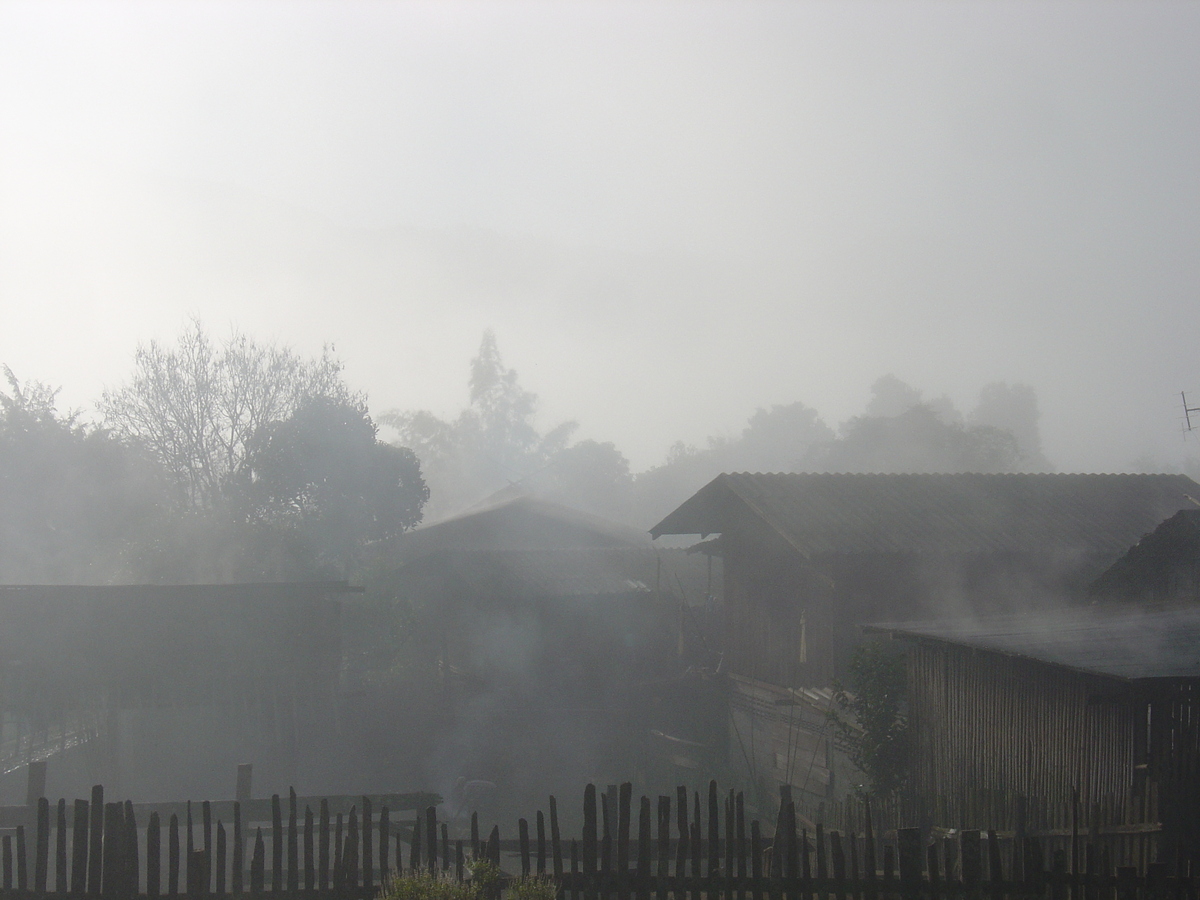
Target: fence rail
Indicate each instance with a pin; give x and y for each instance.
(685, 847)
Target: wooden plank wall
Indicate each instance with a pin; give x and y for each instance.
(776, 603)
(991, 724)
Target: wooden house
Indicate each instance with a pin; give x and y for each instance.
(1103, 700)
(557, 595)
(556, 637)
(807, 558)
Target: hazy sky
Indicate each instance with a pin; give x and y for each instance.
(670, 214)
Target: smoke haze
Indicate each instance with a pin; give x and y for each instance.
(672, 215)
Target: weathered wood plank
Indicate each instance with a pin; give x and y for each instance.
(323, 849)
(95, 840)
(173, 856)
(41, 848)
(293, 843)
(222, 862)
(368, 845)
(60, 848)
(555, 839)
(239, 846)
(276, 844)
(541, 843)
(310, 863)
(153, 856)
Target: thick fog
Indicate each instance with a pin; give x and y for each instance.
(671, 214)
(282, 282)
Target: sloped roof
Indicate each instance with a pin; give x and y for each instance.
(1131, 643)
(517, 523)
(963, 513)
(1153, 565)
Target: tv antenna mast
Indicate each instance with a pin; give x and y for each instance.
(1187, 412)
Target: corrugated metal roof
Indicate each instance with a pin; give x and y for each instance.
(836, 513)
(1117, 641)
(517, 523)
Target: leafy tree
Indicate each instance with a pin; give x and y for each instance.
(589, 475)
(1014, 408)
(869, 715)
(322, 474)
(198, 407)
(492, 444)
(778, 439)
(74, 499)
(276, 468)
(917, 440)
(903, 432)
(891, 397)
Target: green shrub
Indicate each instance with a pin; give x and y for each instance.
(428, 886)
(483, 880)
(533, 887)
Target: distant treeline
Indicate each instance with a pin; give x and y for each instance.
(242, 460)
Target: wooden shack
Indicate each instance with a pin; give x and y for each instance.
(156, 689)
(1099, 700)
(810, 557)
(554, 635)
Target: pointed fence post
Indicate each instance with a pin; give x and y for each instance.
(368, 846)
(96, 841)
(385, 828)
(219, 888)
(588, 842)
(310, 871)
(153, 857)
(643, 849)
(173, 855)
(22, 874)
(276, 844)
(41, 849)
(293, 844)
(911, 853)
(541, 843)
(523, 844)
(258, 863)
(79, 848)
(239, 846)
(323, 848)
(60, 848)
(555, 840)
(431, 834)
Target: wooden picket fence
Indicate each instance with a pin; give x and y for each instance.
(685, 847)
(1123, 831)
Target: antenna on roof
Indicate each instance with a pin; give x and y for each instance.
(1188, 410)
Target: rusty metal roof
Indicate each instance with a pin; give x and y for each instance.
(1133, 644)
(963, 513)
